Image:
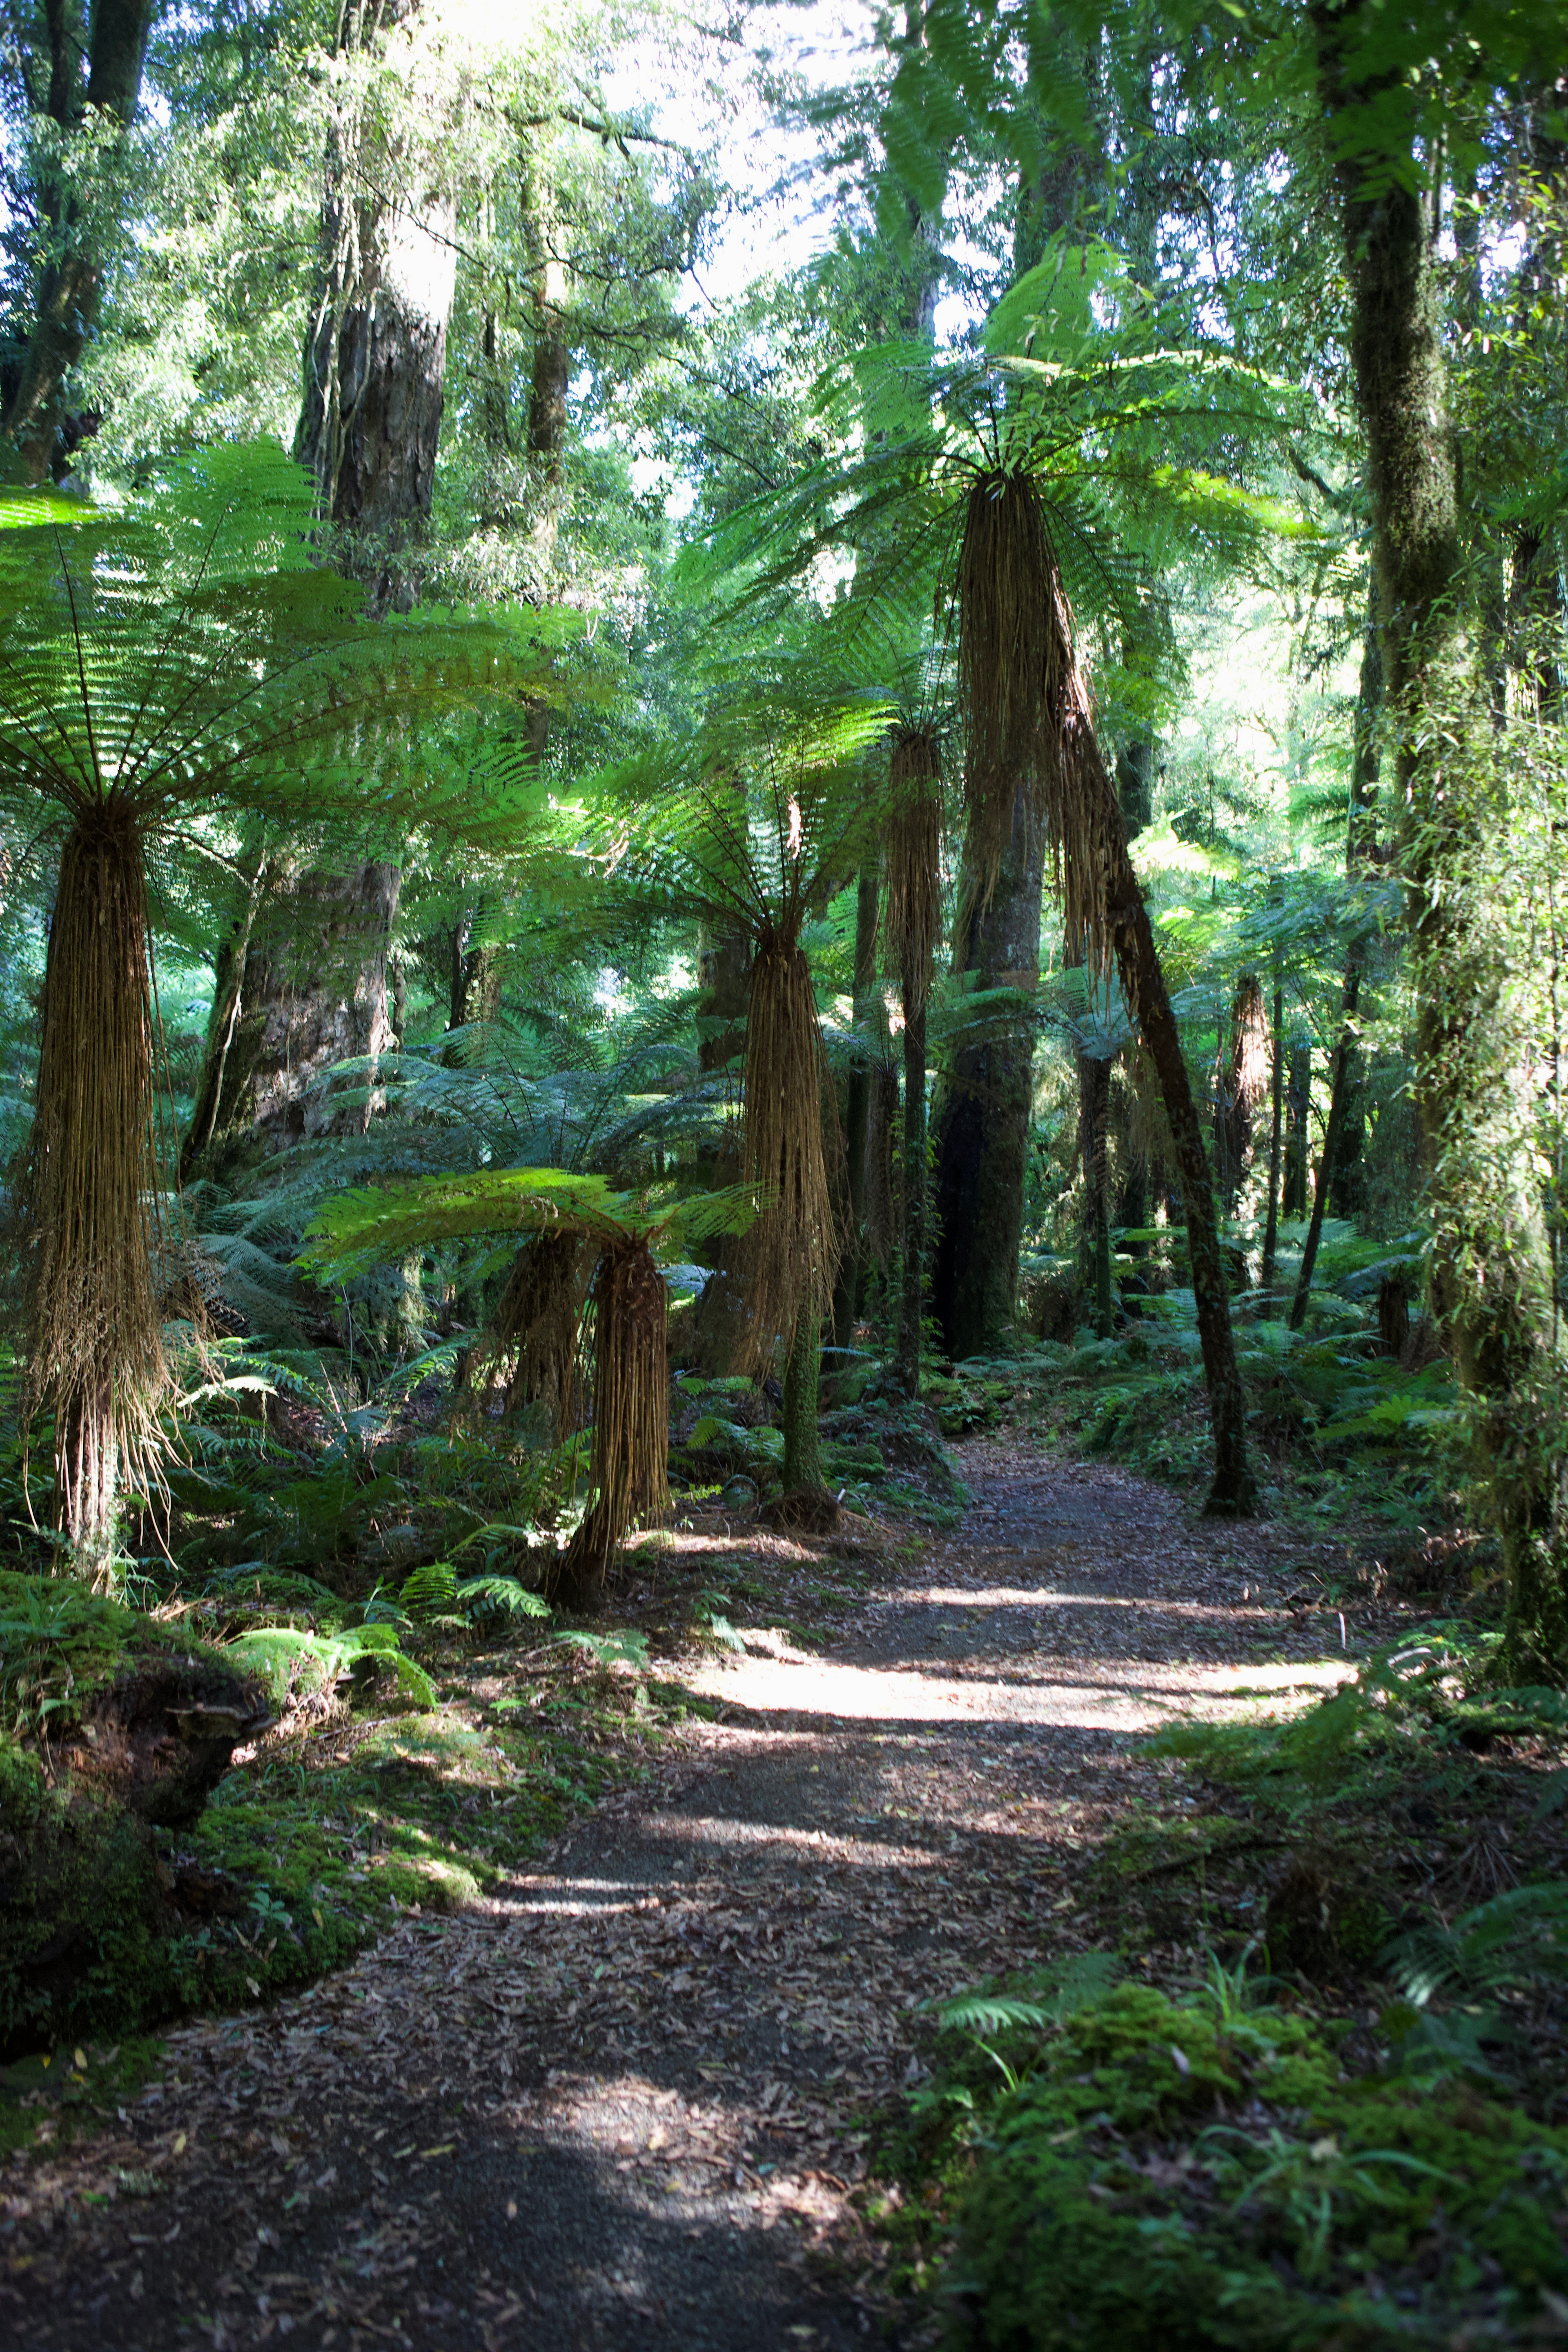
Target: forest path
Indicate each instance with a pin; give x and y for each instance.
(618, 2105)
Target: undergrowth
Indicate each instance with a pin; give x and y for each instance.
(1309, 2090)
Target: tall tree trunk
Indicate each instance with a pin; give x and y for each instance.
(316, 991)
(724, 974)
(1094, 1123)
(1233, 1492)
(912, 1280)
(1297, 1130)
(1346, 1176)
(982, 1119)
(1492, 1282)
(858, 1112)
(1277, 1092)
(375, 364)
(65, 309)
(1340, 1085)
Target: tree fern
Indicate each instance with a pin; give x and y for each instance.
(159, 664)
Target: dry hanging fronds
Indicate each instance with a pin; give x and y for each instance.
(1144, 1129)
(1028, 717)
(791, 1255)
(913, 865)
(94, 1358)
(629, 1461)
(539, 1322)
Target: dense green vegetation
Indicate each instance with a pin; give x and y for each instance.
(1327, 2128)
(632, 883)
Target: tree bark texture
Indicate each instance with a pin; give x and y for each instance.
(1340, 1084)
(1492, 1282)
(917, 1179)
(1276, 1130)
(307, 988)
(112, 41)
(801, 1458)
(1232, 1493)
(858, 1111)
(376, 360)
(374, 378)
(982, 1119)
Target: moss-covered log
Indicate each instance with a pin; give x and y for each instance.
(121, 1728)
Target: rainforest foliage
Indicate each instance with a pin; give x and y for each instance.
(668, 833)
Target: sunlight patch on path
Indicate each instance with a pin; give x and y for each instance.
(1041, 1596)
(874, 1694)
(818, 1686)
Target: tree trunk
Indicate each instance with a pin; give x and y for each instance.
(911, 1291)
(475, 991)
(1232, 1493)
(857, 1114)
(983, 1117)
(1346, 1176)
(223, 1023)
(1297, 1131)
(724, 974)
(69, 284)
(1094, 1122)
(1277, 1091)
(803, 1459)
(1340, 1086)
(1492, 1282)
(308, 988)
(374, 386)
(375, 363)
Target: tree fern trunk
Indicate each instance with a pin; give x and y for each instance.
(1339, 1084)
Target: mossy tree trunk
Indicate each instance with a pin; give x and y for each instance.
(803, 1457)
(1492, 1282)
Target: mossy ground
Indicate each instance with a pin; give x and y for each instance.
(1177, 2175)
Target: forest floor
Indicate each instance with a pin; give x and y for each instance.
(632, 2098)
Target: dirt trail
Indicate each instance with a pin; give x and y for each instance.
(620, 2105)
